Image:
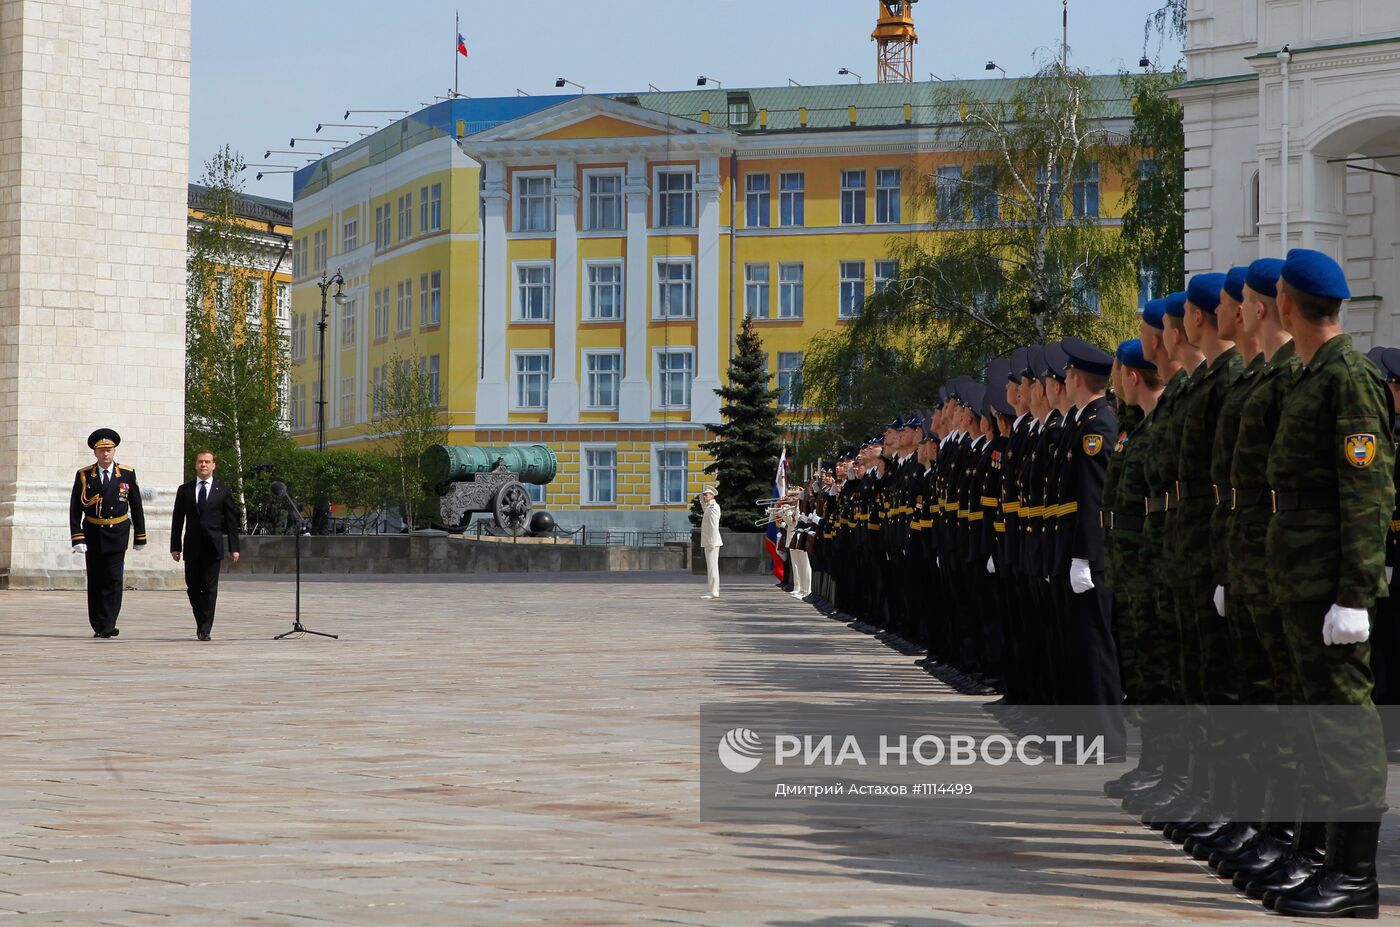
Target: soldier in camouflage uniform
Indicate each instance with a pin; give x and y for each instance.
(1331, 472)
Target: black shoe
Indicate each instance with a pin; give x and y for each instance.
(1131, 781)
(1192, 832)
(1226, 840)
(98, 634)
(1346, 885)
(114, 632)
(1294, 867)
(204, 637)
(1255, 857)
(1167, 790)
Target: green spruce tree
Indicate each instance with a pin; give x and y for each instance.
(746, 445)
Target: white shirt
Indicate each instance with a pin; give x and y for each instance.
(106, 474)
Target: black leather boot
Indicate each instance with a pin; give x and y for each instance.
(1294, 867)
(1192, 808)
(1256, 856)
(1346, 885)
(1227, 840)
(1167, 790)
(1147, 772)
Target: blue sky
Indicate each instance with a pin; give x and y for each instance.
(273, 70)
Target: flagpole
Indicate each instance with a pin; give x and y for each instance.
(456, 56)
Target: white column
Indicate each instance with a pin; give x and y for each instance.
(493, 385)
(704, 404)
(563, 387)
(634, 397)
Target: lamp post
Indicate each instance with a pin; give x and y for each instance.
(340, 300)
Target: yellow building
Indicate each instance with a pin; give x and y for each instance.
(573, 270)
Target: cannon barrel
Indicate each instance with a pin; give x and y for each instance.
(453, 463)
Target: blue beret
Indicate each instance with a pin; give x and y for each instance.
(1176, 305)
(1374, 356)
(1081, 355)
(1204, 291)
(1234, 283)
(1263, 276)
(1153, 312)
(1130, 355)
(1390, 363)
(1316, 274)
(1053, 360)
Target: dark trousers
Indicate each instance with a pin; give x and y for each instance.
(104, 588)
(202, 586)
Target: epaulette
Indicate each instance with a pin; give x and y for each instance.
(126, 468)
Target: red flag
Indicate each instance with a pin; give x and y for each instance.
(462, 46)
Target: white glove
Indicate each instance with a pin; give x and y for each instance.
(1220, 600)
(1079, 579)
(991, 565)
(938, 561)
(1346, 626)
(1389, 572)
(79, 548)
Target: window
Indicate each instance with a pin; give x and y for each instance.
(533, 297)
(886, 272)
(316, 403)
(675, 289)
(435, 207)
(1049, 186)
(319, 256)
(792, 199)
(1252, 210)
(887, 196)
(299, 258)
(853, 197)
(284, 302)
(531, 380)
(604, 372)
(790, 379)
(604, 210)
(1147, 283)
(672, 475)
(253, 302)
(404, 317)
(347, 323)
(675, 199)
(536, 493)
(1086, 191)
(350, 235)
(790, 295)
(756, 200)
(534, 203)
(382, 218)
(315, 342)
(675, 369)
(1086, 298)
(430, 367)
(406, 217)
(985, 207)
(298, 407)
(430, 299)
(756, 290)
(376, 396)
(852, 288)
(347, 400)
(948, 192)
(604, 291)
(223, 292)
(600, 475)
(299, 336)
(381, 314)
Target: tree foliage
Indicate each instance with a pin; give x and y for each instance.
(408, 421)
(1018, 254)
(1153, 166)
(235, 357)
(747, 443)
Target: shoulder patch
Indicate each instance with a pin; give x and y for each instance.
(1093, 444)
(1361, 450)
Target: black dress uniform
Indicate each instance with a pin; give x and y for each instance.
(102, 514)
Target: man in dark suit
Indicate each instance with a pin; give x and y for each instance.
(205, 515)
(105, 507)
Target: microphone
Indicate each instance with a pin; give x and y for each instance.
(279, 490)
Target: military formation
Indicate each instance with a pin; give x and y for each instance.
(1204, 517)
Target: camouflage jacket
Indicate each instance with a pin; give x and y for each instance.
(1227, 431)
(1331, 467)
(1195, 500)
(1249, 481)
(1128, 573)
(1160, 469)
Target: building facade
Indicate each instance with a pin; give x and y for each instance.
(1292, 112)
(575, 272)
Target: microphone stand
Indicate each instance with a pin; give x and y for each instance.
(297, 523)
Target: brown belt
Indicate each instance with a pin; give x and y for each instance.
(107, 522)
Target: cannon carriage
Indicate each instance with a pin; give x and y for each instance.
(470, 479)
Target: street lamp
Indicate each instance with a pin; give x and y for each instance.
(561, 81)
(993, 66)
(846, 71)
(340, 300)
(702, 80)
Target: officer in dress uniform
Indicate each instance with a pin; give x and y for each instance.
(104, 510)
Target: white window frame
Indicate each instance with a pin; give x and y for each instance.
(778, 376)
(547, 373)
(751, 287)
(760, 200)
(658, 384)
(882, 283)
(657, 287)
(657, 497)
(348, 312)
(856, 196)
(430, 365)
(517, 200)
(588, 375)
(350, 233)
(320, 245)
(347, 400)
(658, 196)
(889, 206)
(517, 309)
(284, 303)
(406, 216)
(403, 307)
(798, 198)
(842, 310)
(585, 478)
(788, 307)
(590, 174)
(621, 288)
(1090, 178)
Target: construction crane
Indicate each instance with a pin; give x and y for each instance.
(894, 31)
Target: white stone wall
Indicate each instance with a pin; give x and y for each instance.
(94, 157)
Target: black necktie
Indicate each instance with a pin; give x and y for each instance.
(104, 478)
(202, 493)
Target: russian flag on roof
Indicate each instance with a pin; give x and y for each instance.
(462, 46)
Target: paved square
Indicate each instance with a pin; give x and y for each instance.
(497, 750)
